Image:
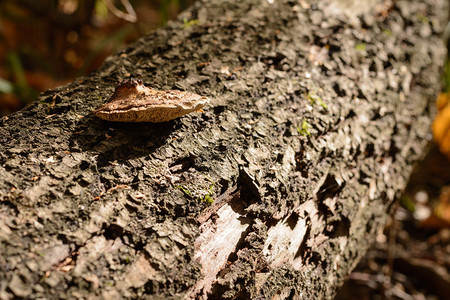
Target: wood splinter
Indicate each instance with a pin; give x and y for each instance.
(132, 101)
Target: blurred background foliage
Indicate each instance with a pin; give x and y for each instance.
(47, 43)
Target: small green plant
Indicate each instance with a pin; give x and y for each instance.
(422, 18)
(208, 197)
(189, 23)
(407, 203)
(388, 32)
(360, 47)
(205, 195)
(304, 128)
(184, 190)
(19, 86)
(314, 98)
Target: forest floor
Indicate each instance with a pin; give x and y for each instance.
(411, 257)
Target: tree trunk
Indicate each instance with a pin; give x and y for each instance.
(317, 113)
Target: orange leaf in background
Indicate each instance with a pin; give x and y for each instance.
(441, 124)
(442, 100)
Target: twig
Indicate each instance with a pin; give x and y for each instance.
(130, 16)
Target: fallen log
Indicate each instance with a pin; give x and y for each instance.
(317, 113)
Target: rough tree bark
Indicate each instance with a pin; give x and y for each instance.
(317, 113)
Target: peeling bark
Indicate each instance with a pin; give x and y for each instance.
(317, 113)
